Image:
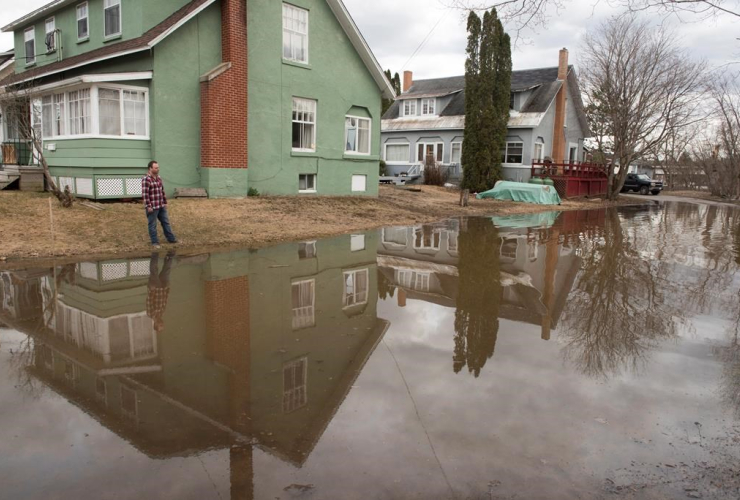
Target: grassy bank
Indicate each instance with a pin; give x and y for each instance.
(120, 229)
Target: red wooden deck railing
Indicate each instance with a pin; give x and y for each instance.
(573, 179)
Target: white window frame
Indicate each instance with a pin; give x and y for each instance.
(437, 147)
(452, 151)
(95, 112)
(314, 123)
(356, 242)
(357, 139)
(46, 33)
(291, 32)
(109, 4)
(315, 183)
(541, 155)
(411, 103)
(306, 245)
(296, 397)
(304, 316)
(79, 18)
(436, 241)
(429, 106)
(26, 39)
(346, 295)
(395, 162)
(354, 185)
(506, 152)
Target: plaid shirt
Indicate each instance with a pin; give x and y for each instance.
(153, 191)
(156, 301)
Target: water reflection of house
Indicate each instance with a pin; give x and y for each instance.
(538, 268)
(258, 348)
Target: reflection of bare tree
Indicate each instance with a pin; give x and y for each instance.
(617, 312)
(21, 360)
(479, 295)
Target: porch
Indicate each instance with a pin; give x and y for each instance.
(18, 164)
(573, 179)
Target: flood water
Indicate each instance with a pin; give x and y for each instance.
(589, 354)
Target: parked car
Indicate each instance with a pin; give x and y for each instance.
(641, 183)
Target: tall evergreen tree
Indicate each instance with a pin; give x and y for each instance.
(470, 150)
(395, 82)
(487, 88)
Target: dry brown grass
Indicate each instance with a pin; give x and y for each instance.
(209, 224)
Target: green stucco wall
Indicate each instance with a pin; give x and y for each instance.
(336, 77)
(138, 16)
(179, 61)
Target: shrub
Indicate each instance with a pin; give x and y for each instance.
(252, 192)
(434, 173)
(382, 170)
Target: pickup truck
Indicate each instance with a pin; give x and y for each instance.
(641, 183)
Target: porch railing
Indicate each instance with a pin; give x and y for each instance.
(569, 169)
(17, 152)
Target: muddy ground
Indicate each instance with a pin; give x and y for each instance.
(201, 224)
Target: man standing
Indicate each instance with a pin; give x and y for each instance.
(155, 202)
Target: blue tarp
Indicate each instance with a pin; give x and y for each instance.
(525, 193)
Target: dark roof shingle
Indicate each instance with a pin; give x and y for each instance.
(134, 44)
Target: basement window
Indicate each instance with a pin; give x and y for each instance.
(307, 183)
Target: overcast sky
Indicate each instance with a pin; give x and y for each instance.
(395, 28)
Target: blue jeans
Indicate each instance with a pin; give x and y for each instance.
(161, 214)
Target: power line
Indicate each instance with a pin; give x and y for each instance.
(423, 42)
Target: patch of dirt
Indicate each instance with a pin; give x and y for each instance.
(30, 233)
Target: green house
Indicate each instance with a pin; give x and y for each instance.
(226, 95)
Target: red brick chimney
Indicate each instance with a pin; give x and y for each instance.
(558, 133)
(408, 80)
(223, 95)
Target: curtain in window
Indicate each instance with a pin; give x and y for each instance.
(363, 145)
(47, 116)
(58, 114)
(134, 113)
(397, 152)
(112, 17)
(109, 102)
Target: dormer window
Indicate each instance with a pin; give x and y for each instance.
(409, 107)
(428, 106)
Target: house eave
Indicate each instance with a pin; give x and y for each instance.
(362, 48)
(36, 14)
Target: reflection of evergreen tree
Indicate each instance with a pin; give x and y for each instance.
(479, 295)
(385, 288)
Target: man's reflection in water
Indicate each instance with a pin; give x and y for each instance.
(158, 289)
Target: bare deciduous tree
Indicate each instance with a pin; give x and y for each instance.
(24, 113)
(533, 14)
(641, 86)
(718, 153)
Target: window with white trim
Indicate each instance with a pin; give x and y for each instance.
(79, 112)
(427, 238)
(307, 183)
(109, 106)
(409, 107)
(428, 106)
(357, 135)
(50, 41)
(538, 148)
(397, 153)
(513, 153)
(121, 112)
(83, 27)
(303, 295)
(307, 250)
(304, 125)
(456, 152)
(295, 383)
(29, 39)
(433, 149)
(112, 15)
(355, 288)
(295, 34)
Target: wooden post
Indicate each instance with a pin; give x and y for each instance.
(464, 195)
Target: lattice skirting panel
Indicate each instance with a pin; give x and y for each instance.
(101, 187)
(113, 271)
